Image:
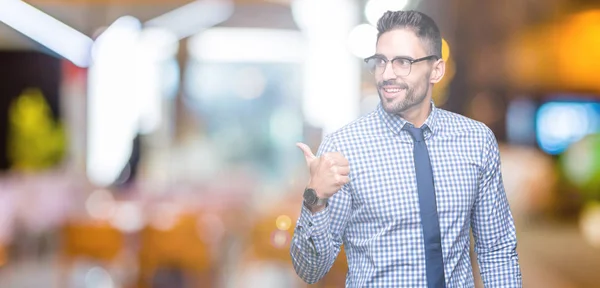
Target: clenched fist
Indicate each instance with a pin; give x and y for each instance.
(328, 173)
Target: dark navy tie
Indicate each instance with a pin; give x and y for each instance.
(428, 210)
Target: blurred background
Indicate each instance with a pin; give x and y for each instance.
(149, 143)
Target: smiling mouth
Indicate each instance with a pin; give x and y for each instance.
(392, 89)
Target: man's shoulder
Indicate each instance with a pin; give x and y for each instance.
(457, 123)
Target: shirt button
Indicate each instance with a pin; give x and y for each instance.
(310, 224)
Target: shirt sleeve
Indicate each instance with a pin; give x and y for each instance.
(317, 237)
(493, 225)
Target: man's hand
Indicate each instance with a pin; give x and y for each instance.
(328, 173)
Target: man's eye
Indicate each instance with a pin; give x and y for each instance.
(379, 62)
(403, 62)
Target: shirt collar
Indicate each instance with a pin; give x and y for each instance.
(395, 123)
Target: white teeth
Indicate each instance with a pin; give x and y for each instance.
(392, 90)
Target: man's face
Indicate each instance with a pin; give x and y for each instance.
(398, 94)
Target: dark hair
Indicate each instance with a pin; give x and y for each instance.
(422, 25)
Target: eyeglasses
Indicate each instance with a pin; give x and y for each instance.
(400, 65)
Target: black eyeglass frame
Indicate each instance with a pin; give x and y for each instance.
(410, 60)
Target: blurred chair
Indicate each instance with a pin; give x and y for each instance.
(97, 241)
(178, 254)
(270, 239)
(265, 260)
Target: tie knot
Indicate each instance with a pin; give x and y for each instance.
(416, 133)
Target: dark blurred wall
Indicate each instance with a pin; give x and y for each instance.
(20, 70)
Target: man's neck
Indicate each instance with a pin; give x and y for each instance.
(417, 115)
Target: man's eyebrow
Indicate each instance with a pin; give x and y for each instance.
(398, 56)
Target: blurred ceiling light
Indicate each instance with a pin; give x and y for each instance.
(124, 30)
(154, 48)
(191, 18)
(126, 82)
(158, 43)
(112, 103)
(362, 40)
(46, 30)
(374, 9)
(249, 45)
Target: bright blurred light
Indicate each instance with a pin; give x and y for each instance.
(589, 224)
(158, 44)
(42, 28)
(98, 277)
(125, 92)
(248, 45)
(121, 34)
(280, 239)
(559, 124)
(128, 217)
(191, 18)
(374, 9)
(331, 88)
(155, 48)
(283, 222)
(362, 40)
(113, 122)
(100, 204)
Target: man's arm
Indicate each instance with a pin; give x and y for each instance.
(493, 225)
(318, 236)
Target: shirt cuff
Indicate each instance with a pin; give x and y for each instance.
(314, 224)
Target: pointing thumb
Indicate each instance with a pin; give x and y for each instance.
(307, 153)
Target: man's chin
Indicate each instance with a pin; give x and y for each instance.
(392, 107)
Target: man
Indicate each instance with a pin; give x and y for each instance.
(402, 186)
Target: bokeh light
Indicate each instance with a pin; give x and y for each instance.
(283, 222)
(590, 224)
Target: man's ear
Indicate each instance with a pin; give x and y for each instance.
(438, 71)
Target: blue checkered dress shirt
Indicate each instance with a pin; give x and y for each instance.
(376, 215)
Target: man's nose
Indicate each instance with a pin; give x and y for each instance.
(388, 72)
